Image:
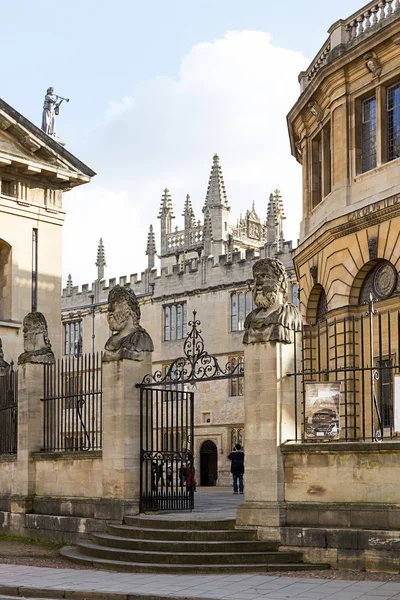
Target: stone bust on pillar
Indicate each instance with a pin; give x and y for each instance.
(37, 346)
(130, 340)
(274, 319)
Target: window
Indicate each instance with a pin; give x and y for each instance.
(8, 187)
(386, 391)
(174, 374)
(368, 134)
(393, 122)
(175, 321)
(73, 338)
(295, 294)
(237, 436)
(241, 305)
(321, 165)
(236, 383)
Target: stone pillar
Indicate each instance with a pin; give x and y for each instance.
(30, 434)
(269, 421)
(121, 431)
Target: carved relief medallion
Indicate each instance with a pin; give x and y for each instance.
(385, 281)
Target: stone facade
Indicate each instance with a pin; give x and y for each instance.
(344, 132)
(34, 172)
(202, 266)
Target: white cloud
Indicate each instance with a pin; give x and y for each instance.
(118, 108)
(231, 96)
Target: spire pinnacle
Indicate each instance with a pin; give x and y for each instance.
(188, 213)
(216, 193)
(166, 209)
(151, 248)
(275, 217)
(101, 260)
(207, 233)
(69, 285)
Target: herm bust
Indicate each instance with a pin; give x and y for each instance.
(274, 319)
(130, 340)
(37, 346)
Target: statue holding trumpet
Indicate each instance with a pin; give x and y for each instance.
(51, 108)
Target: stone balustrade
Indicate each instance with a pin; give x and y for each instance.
(344, 34)
(370, 17)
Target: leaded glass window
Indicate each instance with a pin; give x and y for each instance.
(368, 134)
(393, 121)
(174, 321)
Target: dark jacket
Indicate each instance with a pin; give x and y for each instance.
(237, 462)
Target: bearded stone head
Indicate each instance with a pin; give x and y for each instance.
(270, 282)
(123, 309)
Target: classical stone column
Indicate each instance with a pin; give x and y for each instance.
(127, 359)
(269, 354)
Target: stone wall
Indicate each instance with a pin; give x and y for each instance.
(73, 474)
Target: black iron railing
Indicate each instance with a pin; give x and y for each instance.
(72, 416)
(360, 356)
(8, 410)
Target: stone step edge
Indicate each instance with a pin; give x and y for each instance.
(157, 523)
(126, 527)
(210, 543)
(91, 545)
(102, 563)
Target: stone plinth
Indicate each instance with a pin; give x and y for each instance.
(30, 431)
(121, 430)
(269, 421)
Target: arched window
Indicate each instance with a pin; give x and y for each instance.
(249, 302)
(322, 307)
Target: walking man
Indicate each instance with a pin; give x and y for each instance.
(237, 468)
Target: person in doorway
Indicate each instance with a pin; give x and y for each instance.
(237, 468)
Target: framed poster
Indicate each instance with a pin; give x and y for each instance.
(322, 405)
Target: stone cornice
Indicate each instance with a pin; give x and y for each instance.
(371, 214)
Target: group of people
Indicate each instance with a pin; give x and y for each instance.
(162, 473)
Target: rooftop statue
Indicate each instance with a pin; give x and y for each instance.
(274, 319)
(51, 108)
(37, 346)
(130, 341)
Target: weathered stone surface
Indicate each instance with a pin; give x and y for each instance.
(130, 341)
(274, 319)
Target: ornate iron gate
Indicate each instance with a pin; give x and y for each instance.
(167, 424)
(167, 418)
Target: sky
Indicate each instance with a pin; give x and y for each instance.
(156, 88)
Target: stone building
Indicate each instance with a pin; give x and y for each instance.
(205, 266)
(345, 132)
(35, 170)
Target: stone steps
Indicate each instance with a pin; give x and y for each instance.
(72, 554)
(159, 545)
(194, 535)
(154, 545)
(189, 558)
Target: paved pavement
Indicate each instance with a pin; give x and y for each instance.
(106, 585)
(36, 582)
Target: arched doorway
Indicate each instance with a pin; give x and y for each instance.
(208, 463)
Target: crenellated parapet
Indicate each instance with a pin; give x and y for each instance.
(186, 276)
